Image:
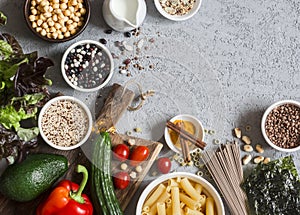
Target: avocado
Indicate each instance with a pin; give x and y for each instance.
(27, 180)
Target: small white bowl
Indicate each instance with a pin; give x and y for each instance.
(208, 190)
(82, 105)
(186, 16)
(104, 49)
(199, 131)
(263, 122)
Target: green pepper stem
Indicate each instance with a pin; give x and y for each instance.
(77, 195)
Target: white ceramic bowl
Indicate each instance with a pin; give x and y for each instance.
(82, 105)
(186, 16)
(208, 190)
(263, 122)
(97, 87)
(199, 131)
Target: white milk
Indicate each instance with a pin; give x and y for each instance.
(126, 9)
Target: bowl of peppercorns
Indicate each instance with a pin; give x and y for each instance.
(280, 125)
(87, 66)
(57, 20)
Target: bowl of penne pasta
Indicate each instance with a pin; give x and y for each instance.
(180, 193)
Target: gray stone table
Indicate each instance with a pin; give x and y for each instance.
(225, 65)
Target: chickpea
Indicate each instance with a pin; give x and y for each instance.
(32, 18)
(64, 1)
(54, 35)
(80, 5)
(57, 25)
(38, 29)
(73, 31)
(70, 21)
(61, 22)
(70, 27)
(52, 29)
(39, 22)
(55, 18)
(55, 1)
(42, 17)
(43, 32)
(50, 23)
(78, 14)
(45, 25)
(60, 36)
(83, 11)
(67, 34)
(66, 19)
(38, 1)
(55, 6)
(57, 11)
(73, 2)
(46, 8)
(47, 15)
(49, 35)
(50, 9)
(76, 19)
(79, 24)
(63, 6)
(67, 12)
(44, 3)
(33, 3)
(64, 29)
(34, 11)
(72, 9)
(34, 25)
(61, 16)
(75, 24)
(47, 30)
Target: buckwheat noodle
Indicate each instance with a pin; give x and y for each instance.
(225, 168)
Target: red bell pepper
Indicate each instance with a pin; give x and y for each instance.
(67, 198)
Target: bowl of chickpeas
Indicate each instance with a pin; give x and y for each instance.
(57, 20)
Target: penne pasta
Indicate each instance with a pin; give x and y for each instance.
(161, 208)
(155, 195)
(202, 201)
(169, 210)
(209, 209)
(198, 188)
(189, 211)
(162, 199)
(175, 201)
(189, 189)
(146, 208)
(189, 202)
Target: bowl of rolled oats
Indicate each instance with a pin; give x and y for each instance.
(280, 125)
(65, 123)
(57, 20)
(177, 10)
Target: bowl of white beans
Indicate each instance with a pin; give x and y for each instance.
(183, 192)
(57, 20)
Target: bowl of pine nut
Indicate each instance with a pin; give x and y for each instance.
(57, 20)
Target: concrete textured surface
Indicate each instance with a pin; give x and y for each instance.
(225, 65)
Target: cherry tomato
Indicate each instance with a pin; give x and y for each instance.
(139, 154)
(121, 152)
(164, 165)
(121, 180)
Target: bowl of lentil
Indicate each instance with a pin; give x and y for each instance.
(177, 10)
(87, 66)
(57, 20)
(65, 123)
(280, 125)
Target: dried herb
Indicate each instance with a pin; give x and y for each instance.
(274, 188)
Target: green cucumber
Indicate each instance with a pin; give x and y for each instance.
(113, 202)
(101, 177)
(98, 196)
(27, 180)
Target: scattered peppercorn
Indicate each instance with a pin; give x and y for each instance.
(127, 34)
(108, 31)
(103, 41)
